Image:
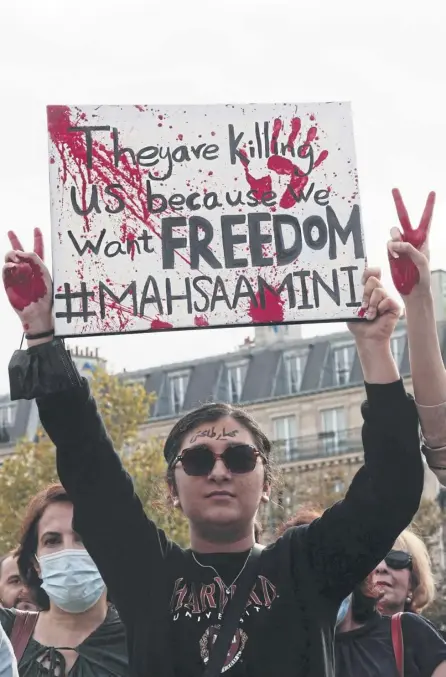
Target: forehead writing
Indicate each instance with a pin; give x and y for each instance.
(210, 433)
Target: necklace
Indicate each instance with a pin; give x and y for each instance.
(209, 566)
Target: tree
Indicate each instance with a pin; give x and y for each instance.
(124, 407)
(322, 486)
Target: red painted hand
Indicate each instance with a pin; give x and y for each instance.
(283, 166)
(408, 251)
(28, 284)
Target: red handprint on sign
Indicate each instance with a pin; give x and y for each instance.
(405, 274)
(283, 166)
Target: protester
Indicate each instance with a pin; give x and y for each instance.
(76, 632)
(8, 663)
(405, 578)
(172, 600)
(13, 591)
(403, 581)
(409, 260)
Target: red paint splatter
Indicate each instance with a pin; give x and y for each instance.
(405, 274)
(283, 166)
(128, 235)
(258, 186)
(362, 312)
(201, 321)
(277, 128)
(180, 137)
(159, 324)
(24, 284)
(271, 313)
(212, 133)
(320, 159)
(295, 129)
(140, 108)
(312, 117)
(52, 160)
(71, 147)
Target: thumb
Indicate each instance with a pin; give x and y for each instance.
(396, 249)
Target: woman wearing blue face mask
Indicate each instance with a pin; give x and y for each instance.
(76, 632)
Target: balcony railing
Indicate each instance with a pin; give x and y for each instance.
(334, 443)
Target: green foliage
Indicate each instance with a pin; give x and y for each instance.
(124, 408)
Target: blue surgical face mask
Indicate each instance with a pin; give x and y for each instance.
(71, 580)
(343, 609)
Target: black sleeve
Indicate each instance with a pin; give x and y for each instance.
(423, 646)
(353, 536)
(127, 547)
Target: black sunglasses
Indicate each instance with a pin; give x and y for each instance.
(199, 461)
(398, 559)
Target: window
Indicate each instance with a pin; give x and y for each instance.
(338, 486)
(333, 433)
(7, 415)
(342, 362)
(285, 432)
(294, 371)
(236, 379)
(397, 344)
(177, 387)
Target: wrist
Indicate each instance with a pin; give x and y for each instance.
(37, 326)
(420, 301)
(378, 365)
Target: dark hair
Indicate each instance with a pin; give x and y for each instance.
(3, 558)
(209, 413)
(27, 549)
(364, 597)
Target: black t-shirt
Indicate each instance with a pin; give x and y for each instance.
(171, 605)
(101, 654)
(368, 651)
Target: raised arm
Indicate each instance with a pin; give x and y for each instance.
(354, 535)
(409, 258)
(127, 547)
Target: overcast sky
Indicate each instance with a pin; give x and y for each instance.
(386, 57)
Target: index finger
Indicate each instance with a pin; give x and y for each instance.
(15, 242)
(401, 210)
(426, 219)
(38, 243)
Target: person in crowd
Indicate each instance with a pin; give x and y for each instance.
(218, 471)
(75, 632)
(409, 264)
(8, 663)
(13, 591)
(404, 577)
(403, 582)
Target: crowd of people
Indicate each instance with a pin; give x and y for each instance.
(94, 588)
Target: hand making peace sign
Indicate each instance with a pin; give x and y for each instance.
(28, 284)
(409, 251)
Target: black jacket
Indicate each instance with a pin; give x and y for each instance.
(170, 605)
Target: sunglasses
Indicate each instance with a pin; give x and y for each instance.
(398, 559)
(199, 461)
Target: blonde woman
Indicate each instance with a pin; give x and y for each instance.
(363, 640)
(404, 578)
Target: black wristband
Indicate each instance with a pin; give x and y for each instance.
(44, 334)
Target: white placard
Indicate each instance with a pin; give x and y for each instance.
(177, 217)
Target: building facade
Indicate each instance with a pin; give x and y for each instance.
(306, 393)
